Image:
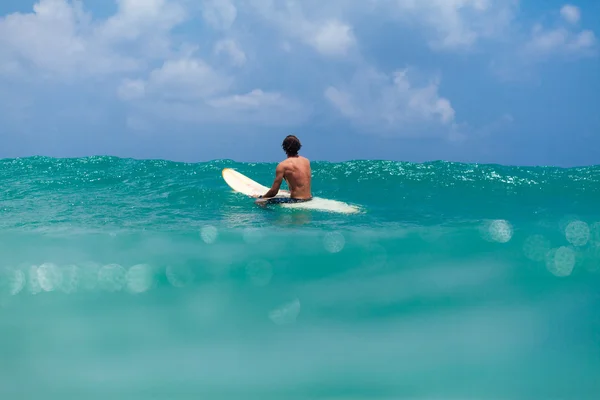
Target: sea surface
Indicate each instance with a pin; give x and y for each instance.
(130, 279)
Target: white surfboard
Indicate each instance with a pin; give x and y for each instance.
(242, 184)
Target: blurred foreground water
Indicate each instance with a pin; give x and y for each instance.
(127, 279)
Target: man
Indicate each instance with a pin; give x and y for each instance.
(296, 172)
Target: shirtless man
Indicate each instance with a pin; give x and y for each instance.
(296, 172)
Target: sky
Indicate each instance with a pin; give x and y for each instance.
(488, 81)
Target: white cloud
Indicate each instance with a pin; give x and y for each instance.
(183, 79)
(158, 71)
(137, 18)
(190, 90)
(220, 14)
(232, 50)
(570, 13)
(392, 105)
(60, 39)
(49, 39)
(544, 42)
(342, 101)
(131, 89)
(562, 40)
(255, 99)
(333, 38)
(456, 24)
(256, 107)
(328, 35)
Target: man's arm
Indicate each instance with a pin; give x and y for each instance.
(279, 172)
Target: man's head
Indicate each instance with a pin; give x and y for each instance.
(291, 145)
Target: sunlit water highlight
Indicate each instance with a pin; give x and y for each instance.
(127, 279)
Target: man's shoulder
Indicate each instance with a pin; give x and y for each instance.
(283, 164)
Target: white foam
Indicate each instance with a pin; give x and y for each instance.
(321, 204)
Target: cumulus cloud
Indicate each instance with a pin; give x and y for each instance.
(561, 40)
(447, 24)
(131, 89)
(255, 99)
(157, 68)
(570, 13)
(189, 89)
(395, 104)
(60, 39)
(187, 78)
(230, 48)
(332, 38)
(455, 24)
(138, 18)
(220, 14)
(55, 39)
(327, 34)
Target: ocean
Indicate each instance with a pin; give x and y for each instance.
(150, 279)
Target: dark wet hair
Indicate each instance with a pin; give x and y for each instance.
(291, 145)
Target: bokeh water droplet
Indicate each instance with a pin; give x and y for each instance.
(33, 281)
(536, 247)
(17, 283)
(334, 242)
(286, 313)
(592, 258)
(595, 233)
(500, 231)
(577, 233)
(112, 277)
(88, 275)
(252, 235)
(12, 281)
(179, 276)
(209, 234)
(140, 278)
(560, 262)
(259, 272)
(49, 276)
(70, 278)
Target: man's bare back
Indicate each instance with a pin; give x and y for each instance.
(296, 172)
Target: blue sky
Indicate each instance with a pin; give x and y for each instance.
(502, 81)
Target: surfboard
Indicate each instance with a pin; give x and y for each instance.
(242, 184)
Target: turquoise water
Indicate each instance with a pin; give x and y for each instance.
(125, 279)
